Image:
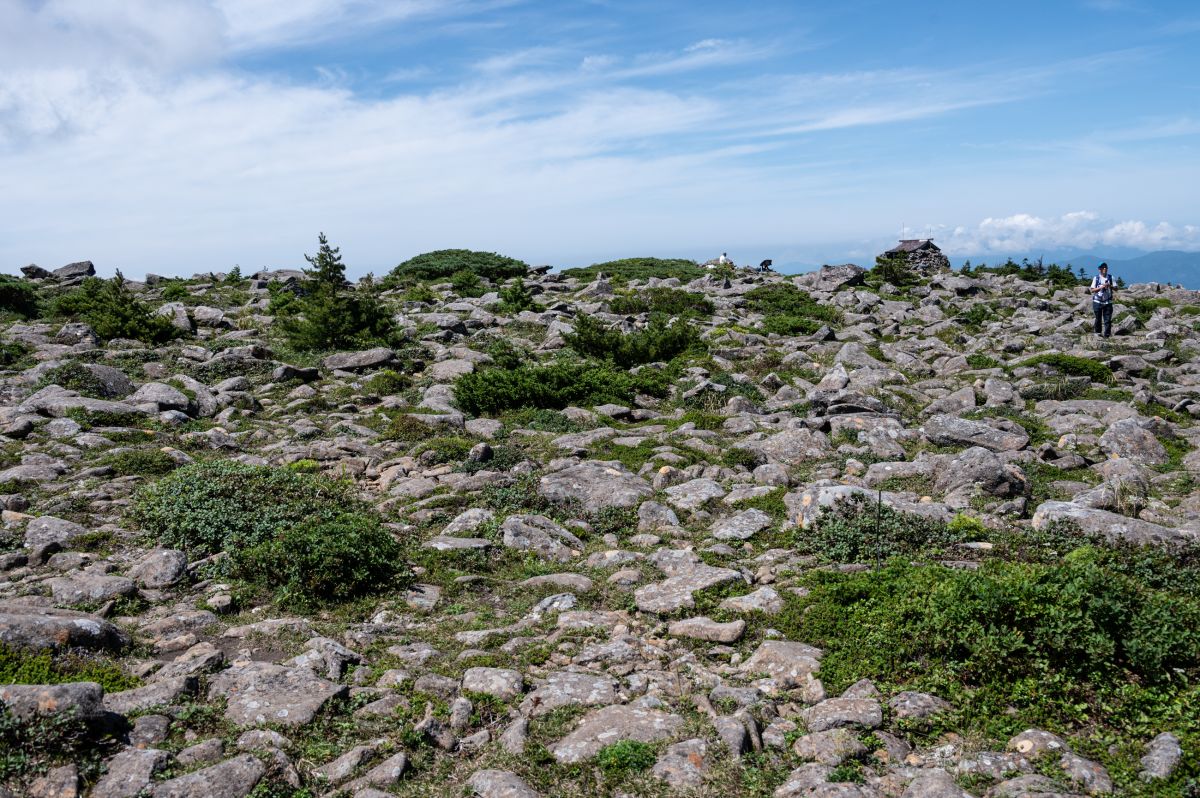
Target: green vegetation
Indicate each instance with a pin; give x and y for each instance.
(626, 756)
(331, 314)
(386, 383)
(790, 311)
(628, 269)
(148, 462)
(466, 283)
(1143, 307)
(978, 361)
(19, 296)
(516, 297)
(307, 538)
(114, 311)
(444, 264)
(18, 666)
(29, 747)
(1071, 365)
(662, 301)
(553, 386)
(858, 529)
(1058, 276)
(74, 377)
(658, 342)
(12, 352)
(896, 271)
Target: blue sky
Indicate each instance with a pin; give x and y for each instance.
(176, 136)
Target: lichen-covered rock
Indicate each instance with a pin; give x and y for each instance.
(610, 725)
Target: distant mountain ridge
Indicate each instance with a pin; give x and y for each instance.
(1165, 266)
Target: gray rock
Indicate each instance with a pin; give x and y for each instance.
(203, 753)
(917, 705)
(1112, 526)
(59, 782)
(158, 693)
(234, 778)
(499, 784)
(1090, 775)
(1163, 755)
(829, 747)
(82, 699)
(159, 568)
(694, 494)
(83, 586)
(130, 772)
(74, 271)
(792, 447)
(838, 713)
(946, 430)
(683, 765)
(1129, 438)
(934, 784)
(262, 692)
(1033, 743)
(160, 396)
(765, 600)
(359, 361)
(789, 664)
(742, 526)
(595, 484)
(704, 628)
(502, 683)
(539, 534)
(468, 521)
(980, 467)
(47, 529)
(567, 689)
(805, 506)
(609, 725)
(687, 573)
(343, 767)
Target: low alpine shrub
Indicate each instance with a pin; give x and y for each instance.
(443, 264)
(18, 296)
(1072, 365)
(628, 269)
(553, 386)
(659, 342)
(789, 311)
(114, 311)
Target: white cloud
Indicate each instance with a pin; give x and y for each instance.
(1023, 232)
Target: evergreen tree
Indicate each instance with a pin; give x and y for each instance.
(331, 314)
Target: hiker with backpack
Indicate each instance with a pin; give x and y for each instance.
(1102, 301)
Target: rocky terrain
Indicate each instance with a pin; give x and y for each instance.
(674, 594)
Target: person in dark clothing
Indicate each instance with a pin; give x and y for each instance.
(1102, 301)
(765, 266)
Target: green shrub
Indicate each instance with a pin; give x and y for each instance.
(113, 311)
(858, 529)
(466, 283)
(30, 746)
(90, 419)
(1071, 365)
(626, 756)
(443, 264)
(74, 377)
(789, 311)
(734, 457)
(1010, 644)
(450, 449)
(663, 301)
(21, 666)
(896, 271)
(12, 353)
(657, 342)
(405, 428)
(329, 314)
(640, 269)
(541, 420)
(141, 461)
(505, 354)
(175, 291)
(516, 297)
(328, 558)
(386, 383)
(978, 361)
(221, 505)
(503, 459)
(18, 296)
(975, 316)
(553, 386)
(419, 292)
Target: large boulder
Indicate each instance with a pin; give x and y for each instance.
(686, 573)
(1112, 526)
(367, 360)
(263, 692)
(609, 725)
(31, 627)
(947, 430)
(831, 278)
(1131, 439)
(596, 484)
(539, 534)
(82, 699)
(791, 447)
(980, 467)
(234, 778)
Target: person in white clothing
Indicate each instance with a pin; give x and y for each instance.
(1102, 301)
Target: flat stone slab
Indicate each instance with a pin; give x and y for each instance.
(499, 784)
(839, 713)
(703, 628)
(687, 573)
(1112, 526)
(233, 778)
(539, 534)
(570, 689)
(81, 587)
(806, 504)
(84, 699)
(502, 683)
(262, 692)
(947, 430)
(788, 663)
(765, 600)
(596, 484)
(24, 626)
(742, 526)
(450, 543)
(609, 725)
(694, 494)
